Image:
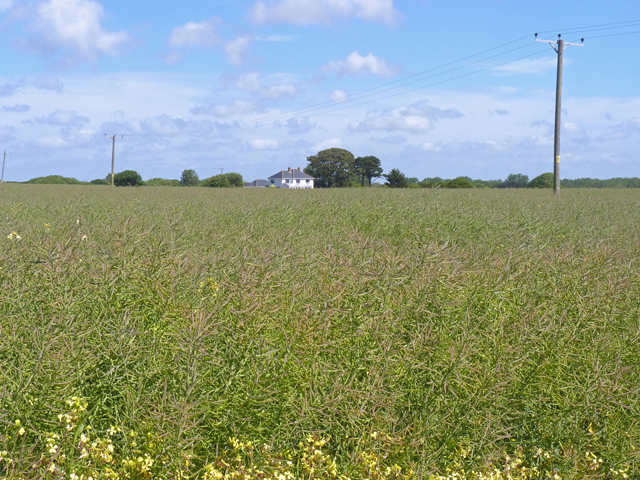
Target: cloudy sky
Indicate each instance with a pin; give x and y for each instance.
(433, 87)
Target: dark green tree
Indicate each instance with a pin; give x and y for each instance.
(162, 182)
(224, 180)
(515, 180)
(235, 179)
(460, 182)
(542, 181)
(396, 179)
(100, 181)
(367, 168)
(127, 178)
(189, 178)
(331, 168)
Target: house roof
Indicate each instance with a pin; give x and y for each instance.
(291, 174)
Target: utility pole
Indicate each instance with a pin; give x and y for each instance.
(113, 157)
(221, 170)
(3, 162)
(556, 140)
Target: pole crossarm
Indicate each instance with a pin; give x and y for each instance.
(555, 42)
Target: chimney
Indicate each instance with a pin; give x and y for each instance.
(289, 168)
(298, 168)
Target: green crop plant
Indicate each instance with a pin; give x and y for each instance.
(221, 333)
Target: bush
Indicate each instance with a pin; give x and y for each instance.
(515, 180)
(224, 180)
(460, 182)
(162, 182)
(55, 180)
(99, 181)
(542, 181)
(127, 178)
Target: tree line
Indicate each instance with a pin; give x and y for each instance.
(131, 178)
(339, 168)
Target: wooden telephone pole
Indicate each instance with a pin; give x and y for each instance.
(4, 160)
(113, 157)
(556, 141)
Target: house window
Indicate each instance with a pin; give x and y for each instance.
(287, 181)
(307, 181)
(297, 181)
(272, 180)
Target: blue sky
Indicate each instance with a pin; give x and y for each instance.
(256, 86)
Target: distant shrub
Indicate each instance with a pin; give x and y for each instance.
(542, 181)
(515, 180)
(162, 182)
(224, 180)
(127, 178)
(460, 182)
(99, 181)
(55, 180)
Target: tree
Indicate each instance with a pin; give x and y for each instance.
(460, 182)
(235, 179)
(100, 181)
(189, 178)
(127, 178)
(542, 181)
(162, 182)
(331, 168)
(223, 180)
(396, 179)
(515, 180)
(367, 168)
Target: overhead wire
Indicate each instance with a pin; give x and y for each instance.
(328, 107)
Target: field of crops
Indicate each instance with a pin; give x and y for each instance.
(359, 333)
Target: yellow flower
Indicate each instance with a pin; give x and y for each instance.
(22, 431)
(14, 236)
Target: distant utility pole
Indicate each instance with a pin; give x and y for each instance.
(3, 162)
(113, 157)
(556, 141)
(221, 170)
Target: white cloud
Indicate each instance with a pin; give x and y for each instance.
(238, 48)
(160, 125)
(252, 82)
(418, 117)
(8, 89)
(71, 30)
(339, 96)
(314, 12)
(528, 66)
(47, 82)
(573, 128)
(5, 5)
(329, 143)
(236, 107)
(6, 133)
(61, 118)
(196, 34)
(431, 147)
(263, 144)
(16, 108)
(356, 64)
(299, 125)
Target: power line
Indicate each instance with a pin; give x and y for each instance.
(355, 99)
(615, 34)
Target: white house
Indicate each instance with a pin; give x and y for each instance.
(291, 179)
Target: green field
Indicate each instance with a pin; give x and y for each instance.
(355, 333)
